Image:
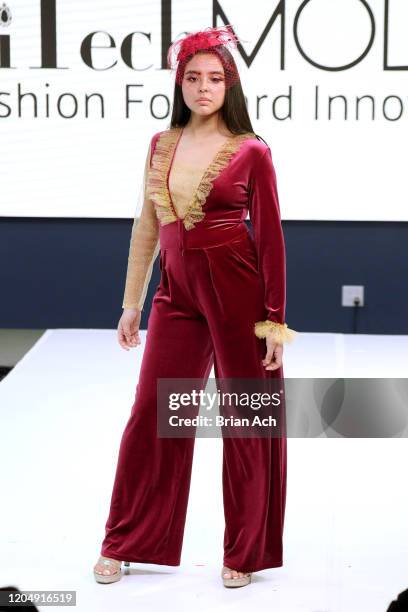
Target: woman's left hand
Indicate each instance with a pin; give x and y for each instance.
(273, 357)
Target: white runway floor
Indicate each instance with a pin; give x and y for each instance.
(63, 409)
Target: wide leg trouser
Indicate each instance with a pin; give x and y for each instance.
(203, 313)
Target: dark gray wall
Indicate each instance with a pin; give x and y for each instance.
(71, 273)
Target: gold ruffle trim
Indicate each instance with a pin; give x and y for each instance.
(157, 188)
(156, 184)
(220, 161)
(280, 332)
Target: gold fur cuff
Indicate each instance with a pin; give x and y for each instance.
(280, 332)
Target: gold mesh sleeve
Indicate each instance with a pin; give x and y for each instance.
(143, 249)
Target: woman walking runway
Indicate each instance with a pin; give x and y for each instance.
(220, 301)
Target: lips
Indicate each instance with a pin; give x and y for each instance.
(203, 100)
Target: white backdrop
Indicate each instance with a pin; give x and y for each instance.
(341, 166)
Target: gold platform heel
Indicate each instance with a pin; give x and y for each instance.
(235, 582)
(109, 563)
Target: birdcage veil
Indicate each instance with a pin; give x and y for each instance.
(209, 40)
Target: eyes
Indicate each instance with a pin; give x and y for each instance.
(192, 79)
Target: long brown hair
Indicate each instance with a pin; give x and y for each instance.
(234, 111)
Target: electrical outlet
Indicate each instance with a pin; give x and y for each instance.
(352, 295)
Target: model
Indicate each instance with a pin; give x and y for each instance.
(220, 301)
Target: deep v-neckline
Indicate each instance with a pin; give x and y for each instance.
(158, 190)
(202, 178)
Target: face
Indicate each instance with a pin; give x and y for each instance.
(204, 78)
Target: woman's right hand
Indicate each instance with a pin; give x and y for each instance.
(128, 328)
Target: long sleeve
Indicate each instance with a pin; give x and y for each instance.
(264, 212)
(143, 249)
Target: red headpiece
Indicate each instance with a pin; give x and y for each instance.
(210, 40)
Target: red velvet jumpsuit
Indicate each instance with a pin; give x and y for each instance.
(217, 281)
